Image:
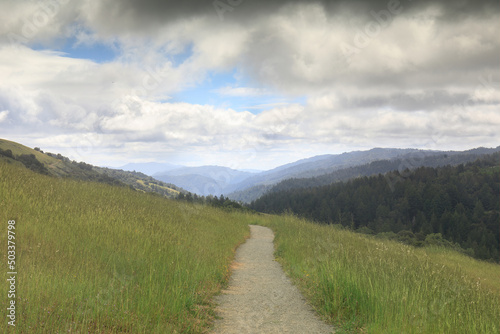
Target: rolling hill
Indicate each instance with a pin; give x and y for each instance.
(59, 166)
(97, 258)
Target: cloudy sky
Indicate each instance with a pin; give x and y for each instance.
(247, 83)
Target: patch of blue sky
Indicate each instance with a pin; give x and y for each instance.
(97, 52)
(180, 57)
(204, 92)
(230, 90)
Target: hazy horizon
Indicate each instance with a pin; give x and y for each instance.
(304, 158)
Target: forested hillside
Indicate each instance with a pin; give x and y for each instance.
(453, 205)
(411, 161)
(324, 170)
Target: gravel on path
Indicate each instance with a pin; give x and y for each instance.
(260, 298)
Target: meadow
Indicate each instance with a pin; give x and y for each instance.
(103, 259)
(367, 285)
(95, 258)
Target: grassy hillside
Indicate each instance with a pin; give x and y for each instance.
(141, 182)
(18, 149)
(366, 285)
(103, 259)
(60, 166)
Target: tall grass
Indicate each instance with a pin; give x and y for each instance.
(101, 259)
(367, 285)
(92, 258)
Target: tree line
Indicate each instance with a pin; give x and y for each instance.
(28, 160)
(457, 206)
(219, 202)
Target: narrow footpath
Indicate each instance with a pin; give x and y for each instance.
(260, 298)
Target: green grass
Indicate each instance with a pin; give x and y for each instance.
(102, 259)
(18, 149)
(55, 166)
(93, 258)
(170, 190)
(362, 284)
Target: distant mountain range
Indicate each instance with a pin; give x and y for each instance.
(205, 180)
(217, 180)
(255, 186)
(149, 168)
(246, 186)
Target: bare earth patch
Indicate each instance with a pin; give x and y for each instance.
(260, 297)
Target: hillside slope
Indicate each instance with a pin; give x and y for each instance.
(95, 258)
(60, 166)
(367, 285)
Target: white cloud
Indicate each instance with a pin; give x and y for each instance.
(31, 22)
(3, 115)
(241, 91)
(421, 80)
(267, 106)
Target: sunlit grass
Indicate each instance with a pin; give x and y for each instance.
(101, 259)
(96, 258)
(363, 284)
(18, 149)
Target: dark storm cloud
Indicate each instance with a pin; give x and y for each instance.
(154, 12)
(430, 100)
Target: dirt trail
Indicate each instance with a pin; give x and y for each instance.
(260, 297)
